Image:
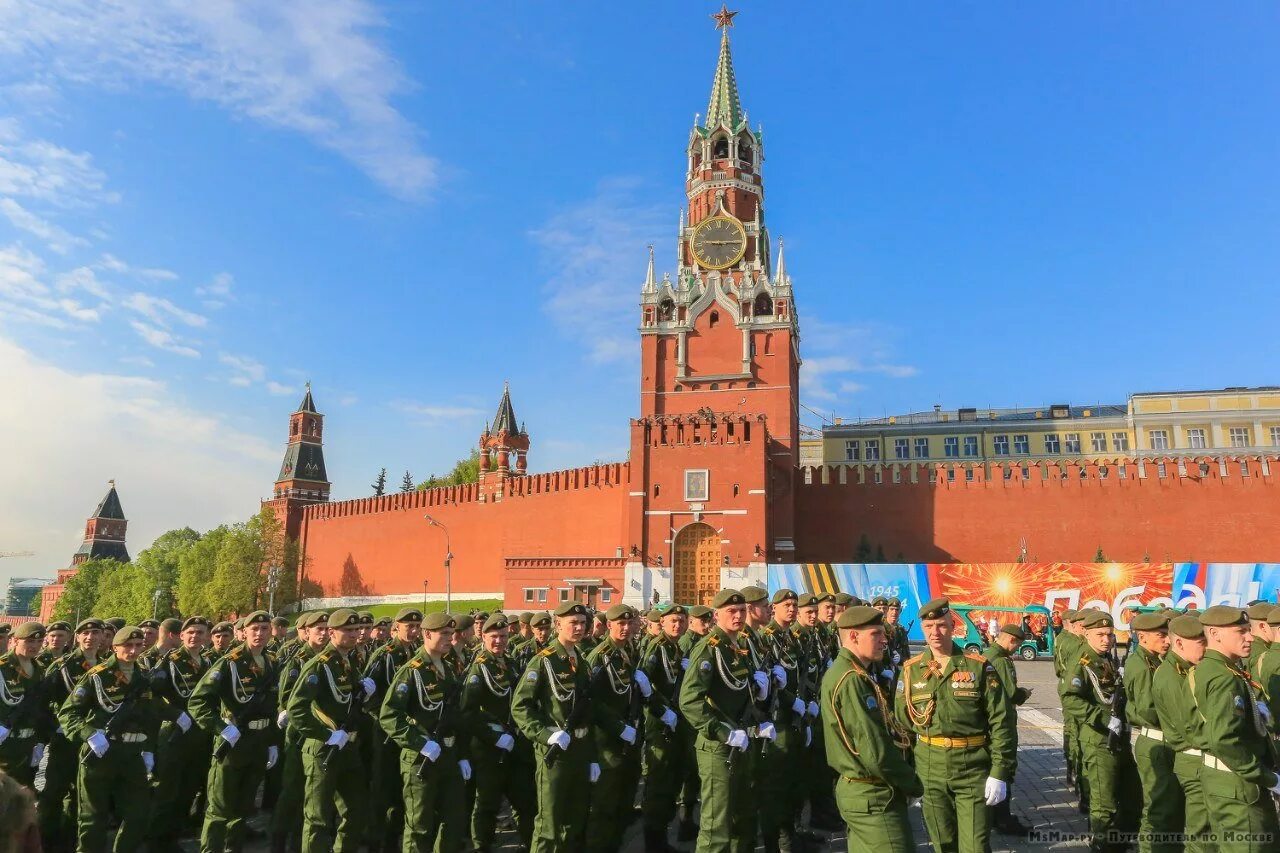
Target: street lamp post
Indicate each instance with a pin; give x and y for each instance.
(155, 603)
(273, 581)
(424, 596)
(448, 559)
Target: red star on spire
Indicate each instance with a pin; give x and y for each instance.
(723, 18)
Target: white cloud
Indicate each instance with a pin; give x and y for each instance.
(54, 237)
(834, 352)
(217, 292)
(435, 414)
(83, 278)
(41, 170)
(121, 427)
(112, 263)
(162, 339)
(137, 361)
(312, 68)
(25, 297)
(160, 311)
(280, 389)
(246, 368)
(76, 311)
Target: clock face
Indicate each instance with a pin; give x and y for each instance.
(719, 242)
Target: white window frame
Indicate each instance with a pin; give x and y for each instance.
(852, 450)
(1275, 436)
(1159, 439)
(1052, 443)
(563, 593)
(1071, 442)
(951, 445)
(1239, 436)
(1098, 441)
(1120, 442)
(1022, 445)
(606, 595)
(542, 595)
(1196, 439)
(902, 448)
(530, 594)
(920, 448)
(1000, 445)
(873, 450)
(971, 447)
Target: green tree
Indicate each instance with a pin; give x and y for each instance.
(127, 591)
(82, 590)
(466, 470)
(863, 552)
(240, 574)
(380, 484)
(161, 562)
(196, 567)
(880, 558)
(1100, 557)
(406, 482)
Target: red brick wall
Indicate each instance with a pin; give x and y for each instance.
(1182, 518)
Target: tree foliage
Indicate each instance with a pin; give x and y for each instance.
(82, 590)
(195, 573)
(380, 484)
(406, 482)
(127, 591)
(1099, 557)
(466, 470)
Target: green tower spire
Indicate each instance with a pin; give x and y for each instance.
(724, 107)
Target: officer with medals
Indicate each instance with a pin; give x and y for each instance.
(25, 722)
(1239, 778)
(866, 744)
(717, 699)
(115, 719)
(965, 729)
(502, 762)
(552, 709)
(419, 714)
(1179, 725)
(387, 802)
(286, 817)
(325, 710)
(182, 758)
(235, 704)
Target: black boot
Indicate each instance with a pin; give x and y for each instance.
(688, 828)
(1007, 822)
(655, 841)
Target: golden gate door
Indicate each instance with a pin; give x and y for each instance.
(697, 564)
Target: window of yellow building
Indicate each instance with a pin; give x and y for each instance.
(951, 444)
(922, 448)
(1072, 442)
(1159, 440)
(1239, 436)
(1021, 445)
(1098, 441)
(1119, 441)
(1196, 439)
(1275, 436)
(1052, 443)
(1000, 445)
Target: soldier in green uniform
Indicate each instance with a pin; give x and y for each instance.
(539, 636)
(167, 641)
(24, 717)
(279, 635)
(551, 708)
(58, 639)
(235, 704)
(114, 717)
(6, 632)
(325, 710)
(717, 699)
(667, 737)
(286, 817)
(502, 762)
(1258, 611)
(386, 816)
(1000, 655)
(965, 729)
(1090, 690)
(773, 764)
(1239, 778)
(1266, 668)
(1161, 794)
(419, 714)
(56, 803)
(687, 828)
(1066, 650)
(221, 638)
(150, 637)
(866, 743)
(182, 756)
(520, 635)
(1179, 725)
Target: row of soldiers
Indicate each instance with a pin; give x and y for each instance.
(1184, 719)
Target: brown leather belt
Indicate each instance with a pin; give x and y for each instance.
(954, 742)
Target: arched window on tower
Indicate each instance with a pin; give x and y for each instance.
(695, 157)
(720, 148)
(666, 311)
(714, 319)
(746, 153)
(763, 306)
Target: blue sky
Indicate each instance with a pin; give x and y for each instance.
(407, 203)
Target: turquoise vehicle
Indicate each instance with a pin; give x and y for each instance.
(1039, 646)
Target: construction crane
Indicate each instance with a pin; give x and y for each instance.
(17, 553)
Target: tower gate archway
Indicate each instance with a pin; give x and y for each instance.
(697, 564)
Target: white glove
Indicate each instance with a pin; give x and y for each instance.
(184, 722)
(628, 734)
(798, 706)
(98, 743)
(4, 733)
(431, 750)
(338, 739)
(996, 791)
(465, 767)
(780, 675)
(1265, 713)
(593, 773)
(369, 686)
(914, 801)
(669, 719)
(506, 742)
(642, 681)
(560, 738)
(1115, 726)
(273, 755)
(896, 658)
(231, 734)
(813, 710)
(283, 719)
(684, 663)
(766, 730)
(37, 753)
(1275, 789)
(737, 739)
(808, 735)
(762, 684)
(149, 761)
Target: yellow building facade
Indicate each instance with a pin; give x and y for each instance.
(1242, 420)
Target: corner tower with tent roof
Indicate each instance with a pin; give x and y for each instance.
(504, 448)
(302, 480)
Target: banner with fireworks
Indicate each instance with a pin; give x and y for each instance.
(1113, 587)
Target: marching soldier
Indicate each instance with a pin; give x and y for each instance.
(502, 762)
(1152, 756)
(819, 650)
(221, 637)
(965, 734)
(797, 710)
(419, 715)
(1180, 726)
(866, 744)
(1000, 655)
(286, 818)
(387, 807)
(776, 758)
(279, 635)
(551, 708)
(150, 637)
(113, 716)
(325, 709)
(1239, 777)
(539, 636)
(699, 625)
(58, 638)
(1065, 652)
(667, 737)
(234, 703)
(182, 757)
(24, 717)
(6, 632)
(1258, 611)
(717, 699)
(898, 645)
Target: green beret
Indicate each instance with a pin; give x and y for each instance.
(59, 626)
(115, 623)
(860, 616)
(27, 630)
(409, 614)
(807, 600)
(654, 615)
(496, 622)
(573, 608)
(222, 628)
(1273, 618)
(320, 617)
(879, 601)
(620, 611)
(1260, 611)
(91, 625)
(854, 601)
(676, 610)
(257, 617)
(279, 622)
(383, 622)
(727, 598)
(479, 614)
(195, 620)
(784, 595)
(537, 620)
(1067, 615)
(1097, 619)
(935, 609)
(1222, 616)
(895, 602)
(599, 615)
(824, 597)
(438, 621)
(752, 594)
(238, 624)
(526, 616)
(1154, 621)
(844, 599)
(366, 618)
(149, 623)
(1014, 631)
(171, 625)
(125, 634)
(699, 611)
(5, 628)
(344, 617)
(1186, 626)
(1076, 615)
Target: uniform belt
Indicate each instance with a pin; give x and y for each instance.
(1195, 752)
(1217, 764)
(1145, 731)
(870, 780)
(581, 732)
(129, 737)
(23, 734)
(954, 742)
(257, 725)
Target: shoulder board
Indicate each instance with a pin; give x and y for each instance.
(915, 659)
(325, 656)
(545, 653)
(236, 653)
(415, 663)
(713, 641)
(97, 669)
(979, 658)
(1084, 661)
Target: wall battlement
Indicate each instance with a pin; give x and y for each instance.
(700, 429)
